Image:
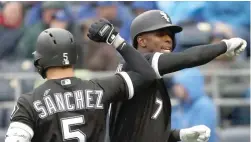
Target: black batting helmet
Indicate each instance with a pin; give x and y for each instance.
(152, 20)
(55, 48)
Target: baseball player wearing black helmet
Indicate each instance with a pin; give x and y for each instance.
(66, 108)
(147, 119)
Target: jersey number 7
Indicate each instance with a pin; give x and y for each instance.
(159, 108)
(69, 134)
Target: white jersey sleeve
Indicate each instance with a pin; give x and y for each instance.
(155, 62)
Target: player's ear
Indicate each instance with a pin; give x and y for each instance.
(141, 41)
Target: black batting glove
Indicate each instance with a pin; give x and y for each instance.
(102, 31)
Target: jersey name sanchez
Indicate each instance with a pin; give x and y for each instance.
(68, 101)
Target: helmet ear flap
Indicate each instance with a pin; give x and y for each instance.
(40, 69)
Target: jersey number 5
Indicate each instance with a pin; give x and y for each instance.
(69, 134)
(159, 108)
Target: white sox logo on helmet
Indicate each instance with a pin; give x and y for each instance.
(163, 15)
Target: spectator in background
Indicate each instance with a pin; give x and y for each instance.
(26, 46)
(103, 59)
(93, 56)
(86, 11)
(139, 7)
(195, 107)
(11, 28)
(62, 20)
(81, 29)
(33, 12)
(80, 33)
(35, 9)
(116, 12)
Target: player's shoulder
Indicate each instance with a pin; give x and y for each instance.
(26, 97)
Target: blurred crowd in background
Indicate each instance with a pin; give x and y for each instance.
(202, 22)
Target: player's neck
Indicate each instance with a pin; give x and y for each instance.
(143, 50)
(57, 73)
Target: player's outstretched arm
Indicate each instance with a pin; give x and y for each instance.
(142, 74)
(198, 55)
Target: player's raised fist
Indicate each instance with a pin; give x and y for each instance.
(235, 46)
(102, 31)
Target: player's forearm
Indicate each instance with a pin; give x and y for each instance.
(174, 135)
(137, 63)
(191, 57)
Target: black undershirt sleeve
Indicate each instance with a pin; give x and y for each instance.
(194, 56)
